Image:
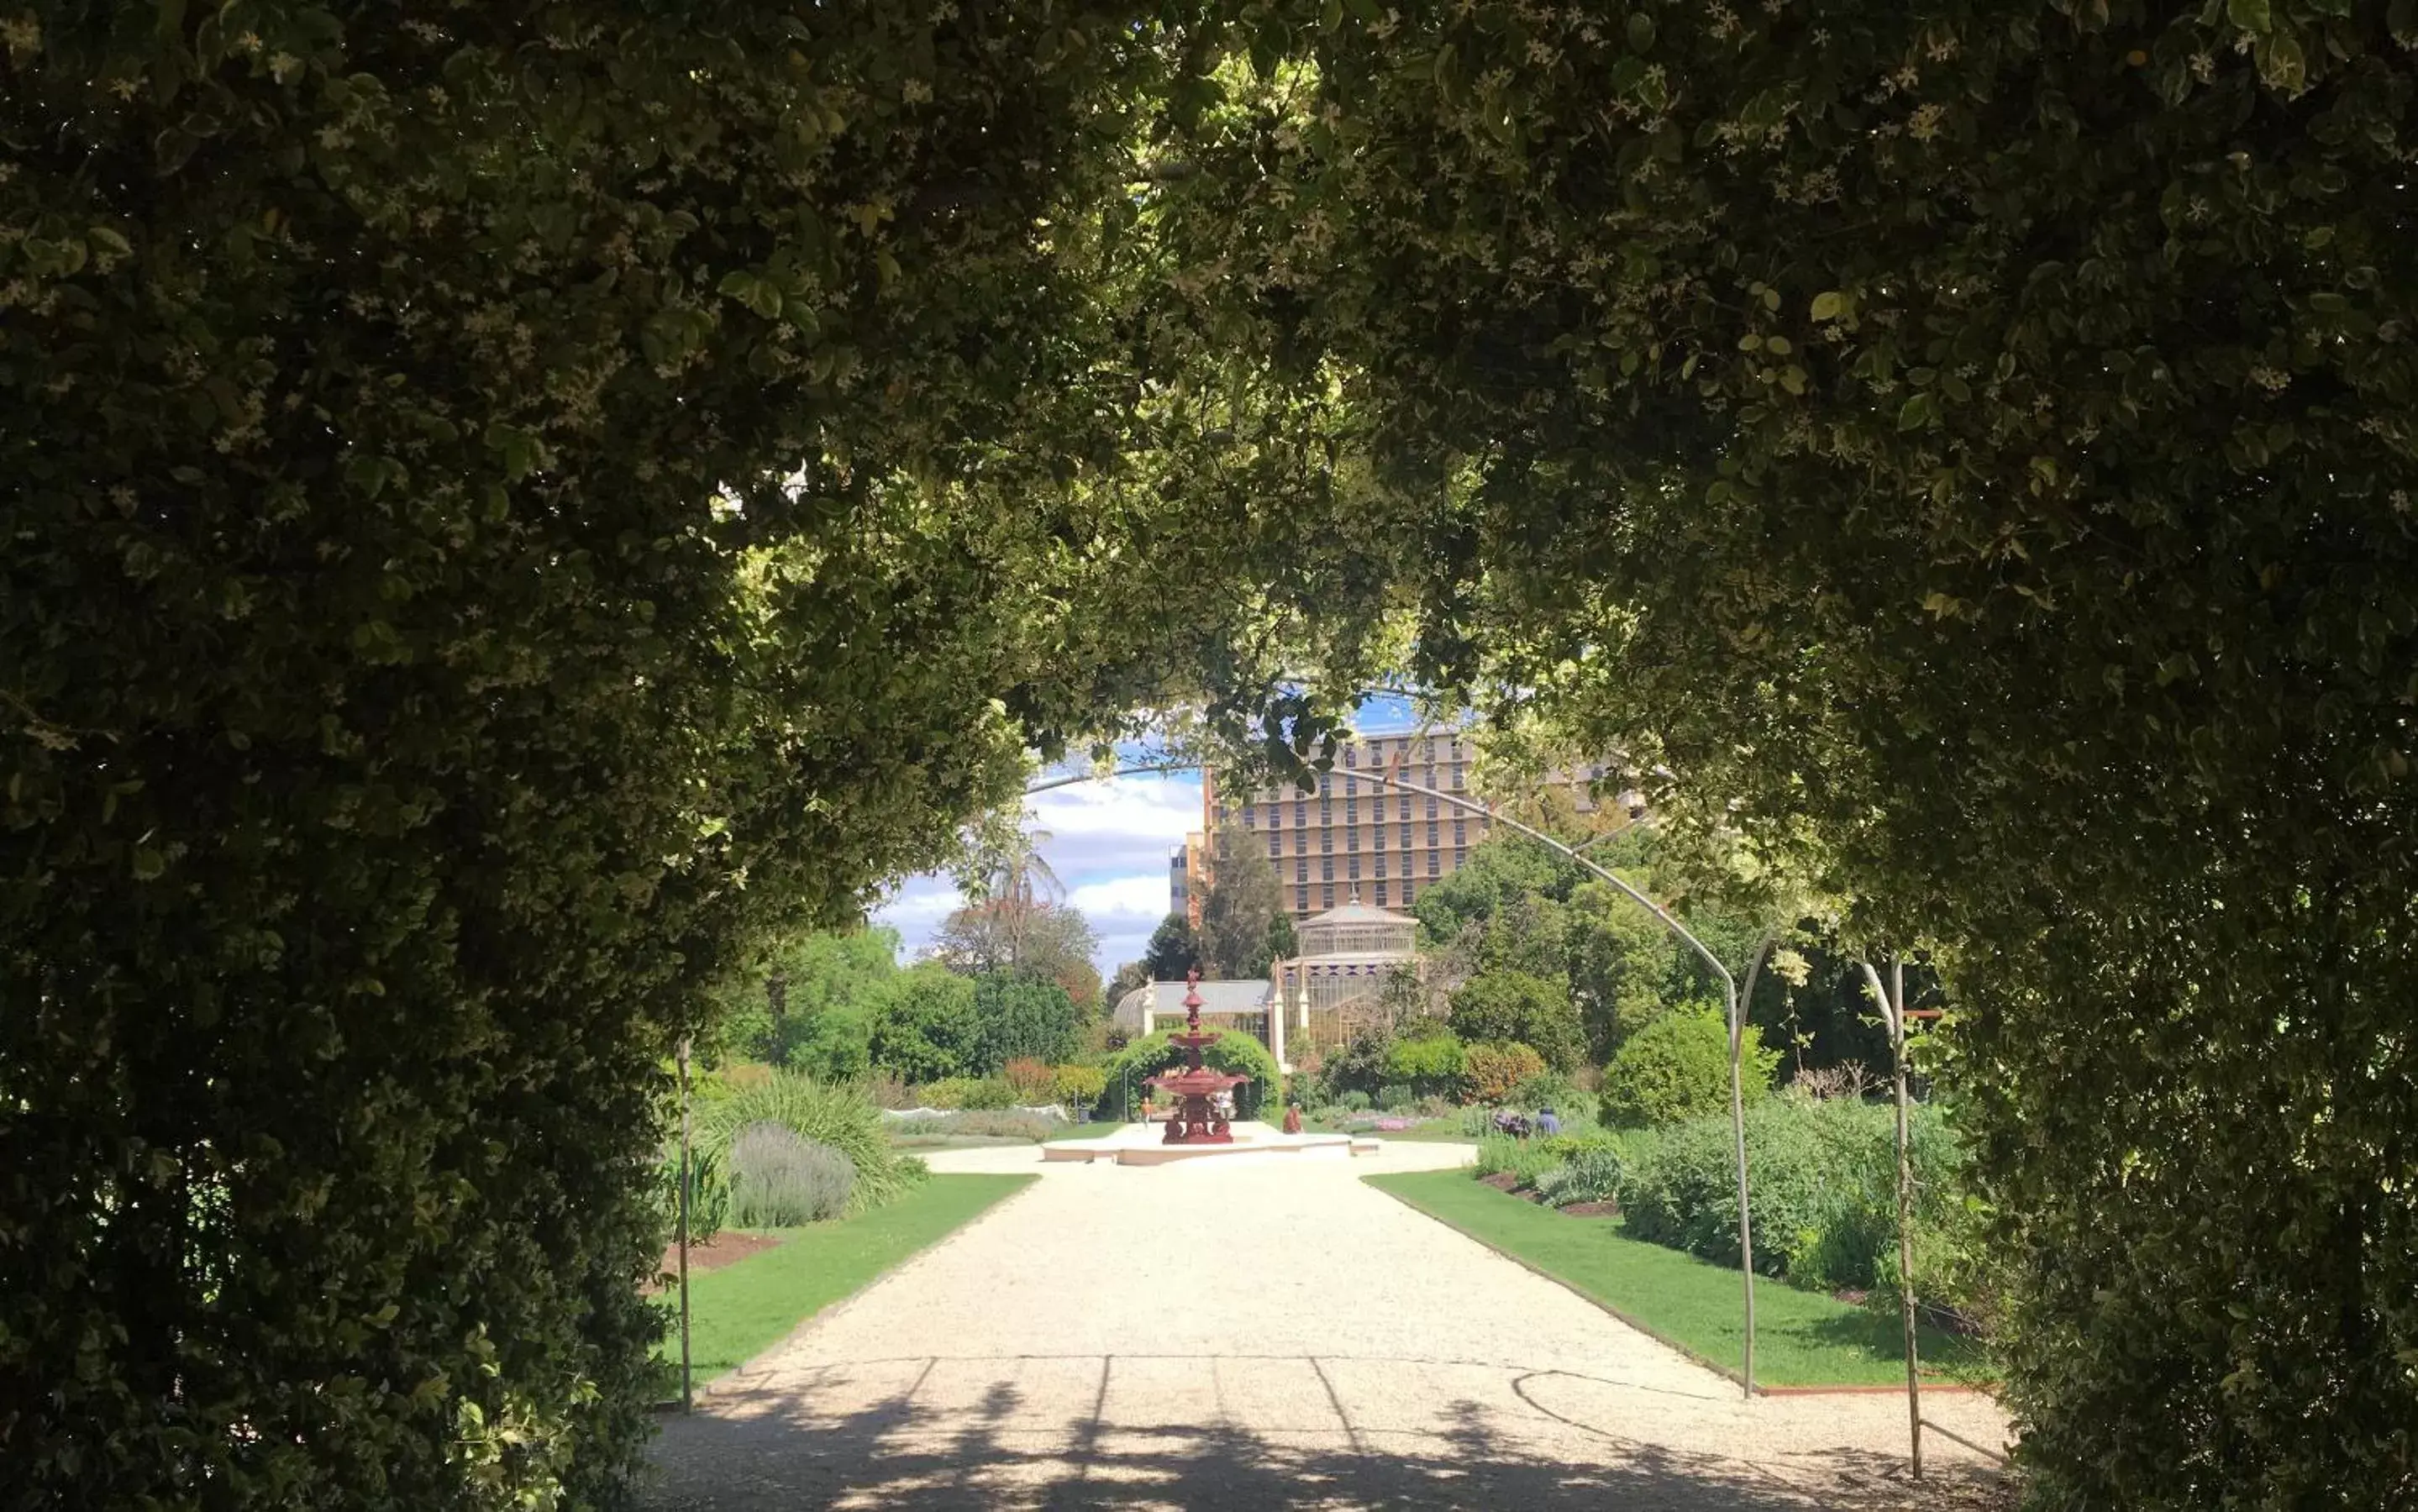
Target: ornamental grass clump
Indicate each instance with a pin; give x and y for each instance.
(1591, 1174)
(838, 1115)
(1524, 1160)
(780, 1181)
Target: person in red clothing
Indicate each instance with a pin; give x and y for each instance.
(1293, 1118)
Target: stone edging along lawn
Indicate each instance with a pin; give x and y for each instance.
(1803, 1340)
(740, 1310)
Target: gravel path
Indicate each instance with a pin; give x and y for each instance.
(1263, 1332)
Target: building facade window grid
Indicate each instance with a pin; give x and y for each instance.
(1440, 762)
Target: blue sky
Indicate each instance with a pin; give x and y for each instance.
(1108, 842)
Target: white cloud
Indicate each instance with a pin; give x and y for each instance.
(1121, 905)
(1108, 842)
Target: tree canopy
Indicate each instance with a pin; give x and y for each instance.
(506, 510)
(507, 513)
(1972, 449)
(1174, 949)
(1243, 921)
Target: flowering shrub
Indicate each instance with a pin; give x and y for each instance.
(1031, 1080)
(1493, 1073)
(1078, 1087)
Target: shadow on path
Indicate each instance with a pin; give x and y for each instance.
(903, 1440)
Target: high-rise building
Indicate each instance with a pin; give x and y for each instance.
(1186, 878)
(1349, 836)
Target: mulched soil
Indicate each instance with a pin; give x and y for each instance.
(1502, 1181)
(1593, 1210)
(720, 1250)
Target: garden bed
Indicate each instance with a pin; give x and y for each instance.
(727, 1248)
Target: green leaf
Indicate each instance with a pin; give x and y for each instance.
(1641, 31)
(1829, 305)
(2250, 15)
(1915, 413)
(149, 863)
(110, 241)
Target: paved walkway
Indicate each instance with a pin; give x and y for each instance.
(1255, 1333)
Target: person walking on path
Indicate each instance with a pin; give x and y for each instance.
(1547, 1123)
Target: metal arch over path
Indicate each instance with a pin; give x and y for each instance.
(1730, 994)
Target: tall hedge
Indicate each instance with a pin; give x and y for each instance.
(501, 504)
(1971, 446)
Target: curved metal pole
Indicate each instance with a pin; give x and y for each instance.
(1729, 986)
(1741, 1003)
(1729, 995)
(688, 1394)
(1893, 1015)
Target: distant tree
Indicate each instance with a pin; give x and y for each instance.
(927, 1029)
(1129, 976)
(1081, 981)
(1532, 1010)
(1173, 950)
(808, 1002)
(1283, 943)
(1017, 1016)
(1048, 940)
(1239, 912)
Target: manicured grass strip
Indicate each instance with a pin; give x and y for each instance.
(738, 1312)
(1800, 1338)
(1096, 1129)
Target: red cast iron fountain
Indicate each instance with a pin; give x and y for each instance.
(1195, 1087)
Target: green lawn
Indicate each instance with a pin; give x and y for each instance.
(1096, 1129)
(739, 1311)
(1800, 1338)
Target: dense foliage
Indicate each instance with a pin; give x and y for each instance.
(1508, 1072)
(507, 511)
(1243, 927)
(1174, 949)
(1677, 1067)
(835, 1116)
(1824, 1190)
(1430, 1065)
(1972, 447)
(1521, 1007)
(1020, 1017)
(924, 1029)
